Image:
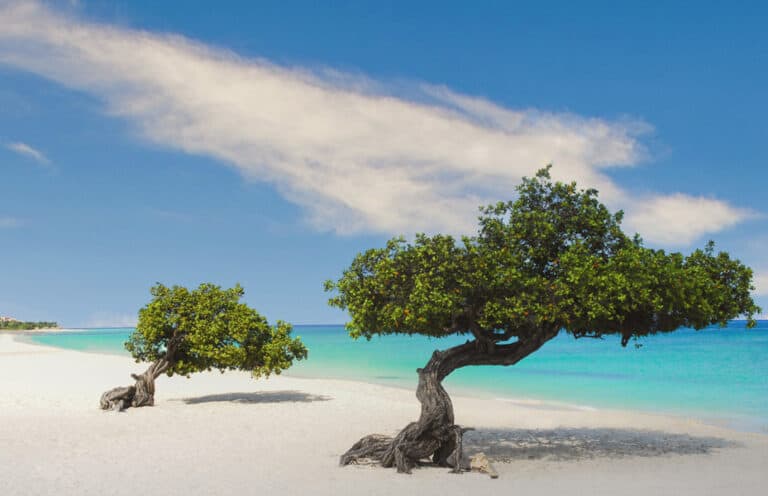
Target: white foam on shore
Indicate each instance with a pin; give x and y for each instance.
(547, 404)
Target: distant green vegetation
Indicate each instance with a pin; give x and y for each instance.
(17, 325)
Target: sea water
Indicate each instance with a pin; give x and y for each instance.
(718, 375)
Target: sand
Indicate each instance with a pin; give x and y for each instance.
(230, 434)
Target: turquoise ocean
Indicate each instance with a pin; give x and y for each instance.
(716, 375)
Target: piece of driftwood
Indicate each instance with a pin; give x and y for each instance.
(481, 463)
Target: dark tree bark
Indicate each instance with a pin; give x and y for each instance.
(435, 435)
(118, 398)
(142, 393)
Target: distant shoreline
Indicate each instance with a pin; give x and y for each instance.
(35, 329)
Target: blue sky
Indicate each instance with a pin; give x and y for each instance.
(267, 143)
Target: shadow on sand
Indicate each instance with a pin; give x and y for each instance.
(258, 397)
(567, 444)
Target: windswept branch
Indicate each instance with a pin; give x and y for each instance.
(502, 354)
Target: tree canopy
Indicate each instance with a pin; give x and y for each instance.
(209, 328)
(554, 258)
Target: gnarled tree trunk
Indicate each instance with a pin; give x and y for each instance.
(142, 393)
(435, 435)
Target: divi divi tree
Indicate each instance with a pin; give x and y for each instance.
(553, 260)
(183, 331)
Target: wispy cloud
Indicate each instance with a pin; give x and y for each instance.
(28, 151)
(761, 283)
(9, 222)
(355, 153)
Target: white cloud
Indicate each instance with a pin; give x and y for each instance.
(111, 319)
(354, 155)
(9, 222)
(681, 219)
(761, 283)
(28, 151)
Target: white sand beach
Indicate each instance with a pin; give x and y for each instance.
(229, 434)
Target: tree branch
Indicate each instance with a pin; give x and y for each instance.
(469, 353)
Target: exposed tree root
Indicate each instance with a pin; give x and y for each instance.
(118, 398)
(434, 436)
(142, 393)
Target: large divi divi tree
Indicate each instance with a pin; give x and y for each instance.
(183, 331)
(555, 259)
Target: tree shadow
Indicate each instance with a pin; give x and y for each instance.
(258, 397)
(566, 444)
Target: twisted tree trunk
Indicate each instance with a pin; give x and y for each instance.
(142, 393)
(435, 435)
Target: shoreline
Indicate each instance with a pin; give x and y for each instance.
(727, 420)
(39, 329)
(225, 433)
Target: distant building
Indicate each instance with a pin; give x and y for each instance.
(8, 319)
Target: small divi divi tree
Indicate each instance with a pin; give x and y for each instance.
(555, 259)
(182, 331)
